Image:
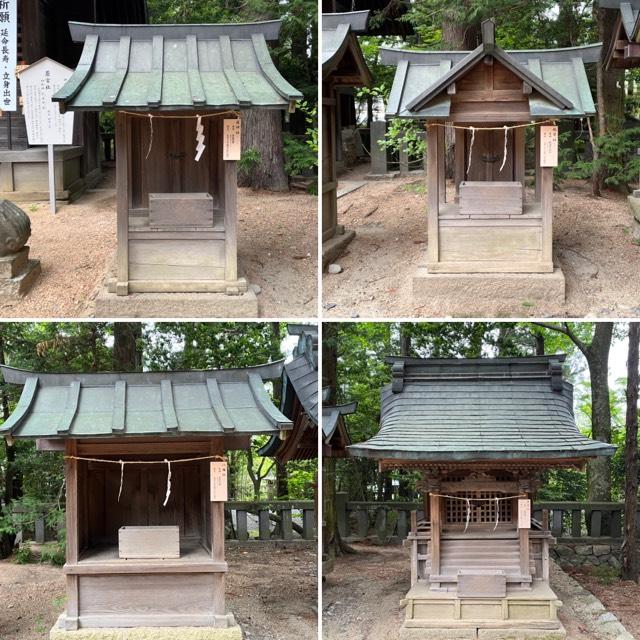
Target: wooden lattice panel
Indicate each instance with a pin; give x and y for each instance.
(483, 511)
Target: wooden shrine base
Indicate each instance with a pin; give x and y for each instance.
(176, 305)
(454, 293)
(518, 616)
(230, 632)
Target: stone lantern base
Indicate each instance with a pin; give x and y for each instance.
(18, 274)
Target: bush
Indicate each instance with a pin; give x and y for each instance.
(52, 553)
(24, 555)
(249, 159)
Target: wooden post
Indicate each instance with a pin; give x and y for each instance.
(433, 197)
(459, 158)
(442, 178)
(230, 222)
(71, 484)
(217, 539)
(122, 203)
(538, 168)
(435, 537)
(519, 159)
(546, 203)
(525, 567)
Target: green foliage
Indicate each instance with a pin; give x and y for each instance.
(107, 122)
(301, 155)
(24, 555)
(403, 133)
(249, 159)
(605, 574)
(52, 553)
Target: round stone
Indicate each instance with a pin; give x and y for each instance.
(15, 228)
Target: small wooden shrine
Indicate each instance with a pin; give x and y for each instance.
(145, 488)
(299, 399)
(178, 92)
(490, 96)
(335, 437)
(343, 67)
(624, 48)
(481, 432)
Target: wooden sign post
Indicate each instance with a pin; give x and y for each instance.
(218, 481)
(524, 513)
(549, 146)
(45, 124)
(231, 144)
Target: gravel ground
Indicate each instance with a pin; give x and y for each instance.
(361, 597)
(276, 246)
(271, 591)
(592, 242)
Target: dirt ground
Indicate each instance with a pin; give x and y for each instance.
(592, 243)
(621, 597)
(361, 597)
(276, 247)
(271, 591)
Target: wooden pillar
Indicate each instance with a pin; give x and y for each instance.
(459, 158)
(442, 178)
(433, 197)
(538, 168)
(217, 539)
(414, 548)
(519, 159)
(435, 537)
(123, 188)
(72, 528)
(546, 204)
(525, 567)
(230, 222)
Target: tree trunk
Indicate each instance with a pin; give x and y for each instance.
(262, 131)
(12, 480)
(127, 353)
(610, 90)
(629, 546)
(597, 355)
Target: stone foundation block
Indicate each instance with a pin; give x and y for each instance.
(232, 632)
(334, 247)
(522, 634)
(409, 633)
(453, 293)
(176, 305)
(18, 274)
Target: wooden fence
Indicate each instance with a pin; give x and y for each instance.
(388, 522)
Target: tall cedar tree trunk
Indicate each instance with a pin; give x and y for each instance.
(629, 547)
(127, 354)
(332, 544)
(597, 356)
(610, 89)
(282, 481)
(12, 480)
(262, 131)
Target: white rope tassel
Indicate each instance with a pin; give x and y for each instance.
(497, 513)
(121, 478)
(150, 135)
(473, 137)
(199, 138)
(466, 526)
(504, 155)
(166, 498)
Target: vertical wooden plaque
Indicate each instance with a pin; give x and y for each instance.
(218, 476)
(524, 513)
(231, 143)
(549, 146)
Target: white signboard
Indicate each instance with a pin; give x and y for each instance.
(218, 481)
(524, 514)
(8, 53)
(45, 123)
(548, 146)
(231, 144)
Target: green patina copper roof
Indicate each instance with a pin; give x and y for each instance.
(560, 88)
(148, 67)
(168, 403)
(478, 409)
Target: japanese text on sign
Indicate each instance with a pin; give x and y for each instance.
(45, 123)
(524, 514)
(231, 145)
(8, 53)
(218, 475)
(548, 146)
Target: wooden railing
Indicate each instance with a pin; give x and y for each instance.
(389, 522)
